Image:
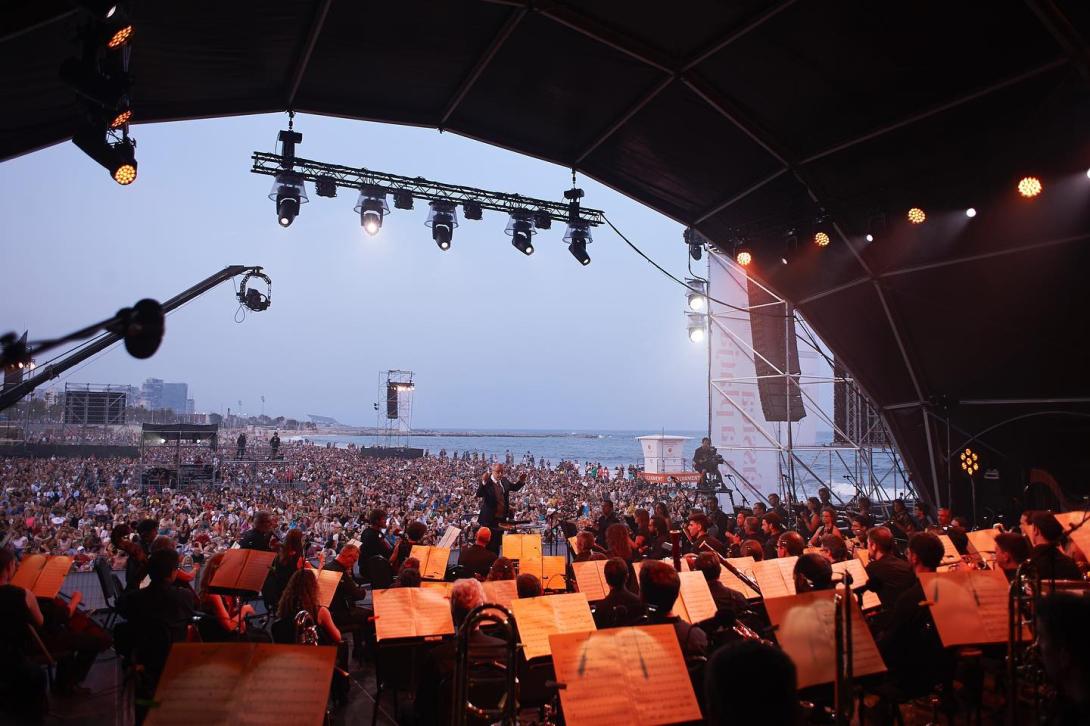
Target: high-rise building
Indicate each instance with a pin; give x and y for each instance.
(190, 406)
(156, 394)
(174, 396)
(151, 394)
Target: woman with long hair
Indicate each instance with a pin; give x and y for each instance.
(301, 593)
(288, 561)
(502, 569)
(620, 546)
(228, 614)
(643, 530)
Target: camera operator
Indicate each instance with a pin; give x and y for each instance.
(706, 460)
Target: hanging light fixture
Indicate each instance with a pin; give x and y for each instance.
(290, 193)
(442, 221)
(372, 208)
(521, 229)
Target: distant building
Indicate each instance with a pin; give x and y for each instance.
(151, 394)
(156, 394)
(190, 406)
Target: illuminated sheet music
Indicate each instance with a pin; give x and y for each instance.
(859, 579)
(43, 575)
(443, 587)
(775, 577)
(500, 592)
(694, 602)
(539, 617)
(554, 570)
(519, 546)
(590, 579)
(1081, 535)
(728, 578)
(950, 553)
(410, 612)
(982, 542)
(968, 606)
(433, 561)
(450, 536)
(573, 546)
(805, 630)
(623, 676)
(243, 570)
(328, 580)
(243, 683)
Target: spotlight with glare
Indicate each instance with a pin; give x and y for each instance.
(821, 239)
(1088, 173)
(743, 256)
(442, 221)
(695, 326)
(289, 192)
(118, 158)
(578, 236)
(122, 118)
(1029, 187)
(472, 210)
(372, 207)
(869, 237)
(916, 215)
(970, 463)
(522, 231)
(120, 36)
(970, 212)
(783, 260)
(696, 298)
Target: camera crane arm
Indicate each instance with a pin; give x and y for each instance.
(108, 338)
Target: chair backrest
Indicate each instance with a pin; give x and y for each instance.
(107, 581)
(379, 572)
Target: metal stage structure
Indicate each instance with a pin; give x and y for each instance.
(394, 407)
(769, 412)
(88, 404)
(178, 455)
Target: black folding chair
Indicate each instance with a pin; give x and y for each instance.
(111, 588)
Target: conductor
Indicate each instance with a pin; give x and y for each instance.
(494, 492)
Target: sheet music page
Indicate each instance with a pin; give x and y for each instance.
(432, 612)
(500, 592)
(450, 536)
(648, 662)
(243, 683)
(571, 612)
(421, 553)
(770, 577)
(968, 606)
(538, 617)
(949, 551)
(728, 578)
(286, 684)
(436, 568)
(51, 578)
(255, 570)
(862, 555)
(29, 570)
(699, 605)
(590, 579)
(394, 615)
(511, 546)
(982, 542)
(530, 565)
(805, 630)
(859, 579)
(1080, 536)
(554, 568)
(573, 546)
(328, 580)
(229, 570)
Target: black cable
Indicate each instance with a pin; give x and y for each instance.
(661, 269)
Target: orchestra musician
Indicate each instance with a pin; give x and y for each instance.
(260, 536)
(609, 517)
(477, 559)
(494, 492)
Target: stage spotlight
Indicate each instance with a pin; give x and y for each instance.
(289, 192)
(542, 220)
(869, 237)
(522, 231)
(970, 463)
(442, 221)
(578, 236)
(119, 36)
(970, 212)
(695, 326)
(696, 242)
(1029, 187)
(696, 298)
(118, 158)
(124, 165)
(783, 260)
(1088, 173)
(403, 199)
(121, 118)
(743, 256)
(372, 207)
(916, 215)
(821, 239)
(472, 211)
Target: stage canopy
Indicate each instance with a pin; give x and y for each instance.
(163, 433)
(743, 119)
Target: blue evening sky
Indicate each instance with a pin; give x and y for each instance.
(496, 339)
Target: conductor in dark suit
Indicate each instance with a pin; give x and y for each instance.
(494, 492)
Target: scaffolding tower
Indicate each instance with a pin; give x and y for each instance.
(394, 407)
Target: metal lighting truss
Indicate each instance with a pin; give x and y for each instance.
(347, 177)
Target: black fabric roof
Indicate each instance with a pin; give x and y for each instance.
(738, 118)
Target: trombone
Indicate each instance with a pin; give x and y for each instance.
(468, 674)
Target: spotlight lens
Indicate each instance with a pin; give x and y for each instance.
(1029, 187)
(1088, 173)
(119, 38)
(696, 302)
(744, 258)
(870, 237)
(970, 212)
(821, 239)
(916, 215)
(783, 260)
(121, 119)
(125, 174)
(696, 335)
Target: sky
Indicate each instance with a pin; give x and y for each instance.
(496, 339)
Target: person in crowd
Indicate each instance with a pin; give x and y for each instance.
(240, 445)
(834, 548)
(812, 572)
(160, 606)
(721, 523)
(584, 543)
(750, 682)
(1011, 550)
(1050, 562)
(477, 558)
(858, 538)
(1063, 636)
(772, 527)
(136, 566)
(811, 520)
(945, 518)
(618, 543)
(621, 606)
(408, 576)
(902, 519)
(922, 515)
(790, 544)
(260, 536)
(866, 517)
(888, 575)
(22, 683)
(827, 526)
(660, 537)
(659, 588)
(494, 492)
(226, 613)
(301, 593)
(751, 548)
(642, 539)
(290, 559)
(414, 535)
(726, 599)
(348, 615)
(608, 517)
(825, 496)
(775, 505)
(698, 537)
(502, 569)
(528, 585)
(372, 543)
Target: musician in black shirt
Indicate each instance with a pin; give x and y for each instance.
(260, 537)
(888, 576)
(608, 517)
(347, 615)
